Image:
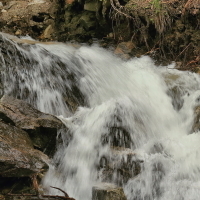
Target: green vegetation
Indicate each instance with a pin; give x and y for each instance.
(157, 5)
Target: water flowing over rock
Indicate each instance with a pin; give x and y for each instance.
(20, 79)
(119, 165)
(129, 119)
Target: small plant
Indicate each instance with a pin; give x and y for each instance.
(157, 5)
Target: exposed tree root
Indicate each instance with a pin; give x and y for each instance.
(39, 196)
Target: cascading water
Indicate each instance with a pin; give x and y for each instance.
(126, 104)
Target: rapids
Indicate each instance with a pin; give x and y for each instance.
(155, 104)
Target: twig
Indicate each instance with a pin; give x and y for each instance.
(56, 196)
(22, 195)
(183, 50)
(39, 196)
(152, 50)
(43, 196)
(65, 193)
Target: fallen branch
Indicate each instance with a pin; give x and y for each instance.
(43, 197)
(65, 193)
(183, 50)
(151, 51)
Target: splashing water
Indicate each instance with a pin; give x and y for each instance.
(150, 108)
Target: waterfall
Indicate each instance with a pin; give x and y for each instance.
(132, 105)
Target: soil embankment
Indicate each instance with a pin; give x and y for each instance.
(164, 29)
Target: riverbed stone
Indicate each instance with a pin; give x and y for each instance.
(107, 191)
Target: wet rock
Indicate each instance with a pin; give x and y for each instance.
(118, 137)
(196, 124)
(107, 191)
(176, 93)
(18, 158)
(22, 64)
(42, 128)
(119, 166)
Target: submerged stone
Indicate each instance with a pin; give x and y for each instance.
(119, 166)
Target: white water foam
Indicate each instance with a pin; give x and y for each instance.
(138, 93)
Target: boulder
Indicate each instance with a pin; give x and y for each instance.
(107, 191)
(119, 166)
(18, 158)
(42, 128)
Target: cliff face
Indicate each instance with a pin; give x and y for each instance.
(165, 29)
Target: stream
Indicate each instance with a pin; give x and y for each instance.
(131, 105)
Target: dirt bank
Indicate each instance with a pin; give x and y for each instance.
(164, 29)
